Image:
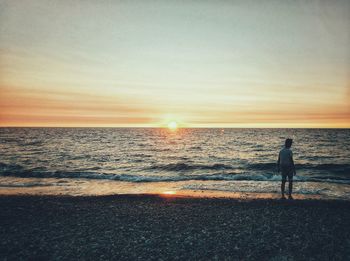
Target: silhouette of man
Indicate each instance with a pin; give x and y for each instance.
(285, 165)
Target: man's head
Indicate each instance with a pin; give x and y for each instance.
(288, 143)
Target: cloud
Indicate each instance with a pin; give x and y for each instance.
(23, 106)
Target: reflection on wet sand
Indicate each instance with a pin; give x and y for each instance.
(237, 189)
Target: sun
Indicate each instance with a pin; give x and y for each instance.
(169, 193)
(172, 125)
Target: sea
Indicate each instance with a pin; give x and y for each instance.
(104, 161)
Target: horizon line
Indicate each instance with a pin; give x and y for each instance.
(164, 127)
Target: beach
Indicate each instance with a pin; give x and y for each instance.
(171, 227)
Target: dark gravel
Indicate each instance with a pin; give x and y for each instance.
(155, 228)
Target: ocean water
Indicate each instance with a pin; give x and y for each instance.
(236, 160)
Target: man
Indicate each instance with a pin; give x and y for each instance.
(285, 164)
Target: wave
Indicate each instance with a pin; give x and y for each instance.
(19, 171)
(187, 167)
(333, 168)
(10, 168)
(32, 143)
(271, 167)
(262, 166)
(327, 166)
(25, 185)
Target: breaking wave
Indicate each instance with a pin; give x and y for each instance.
(334, 168)
(187, 167)
(20, 171)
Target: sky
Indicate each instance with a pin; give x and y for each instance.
(263, 63)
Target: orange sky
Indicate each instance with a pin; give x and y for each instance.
(202, 64)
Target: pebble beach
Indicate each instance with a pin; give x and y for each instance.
(160, 227)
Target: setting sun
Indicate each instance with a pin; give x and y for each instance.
(169, 193)
(172, 125)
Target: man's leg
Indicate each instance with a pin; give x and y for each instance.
(283, 185)
(290, 179)
(290, 187)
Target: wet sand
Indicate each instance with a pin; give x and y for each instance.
(169, 227)
(233, 189)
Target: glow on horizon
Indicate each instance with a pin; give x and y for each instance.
(199, 64)
(172, 125)
(169, 192)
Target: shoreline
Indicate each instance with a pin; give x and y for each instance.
(188, 194)
(230, 189)
(186, 197)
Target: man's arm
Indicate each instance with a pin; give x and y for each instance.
(278, 163)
